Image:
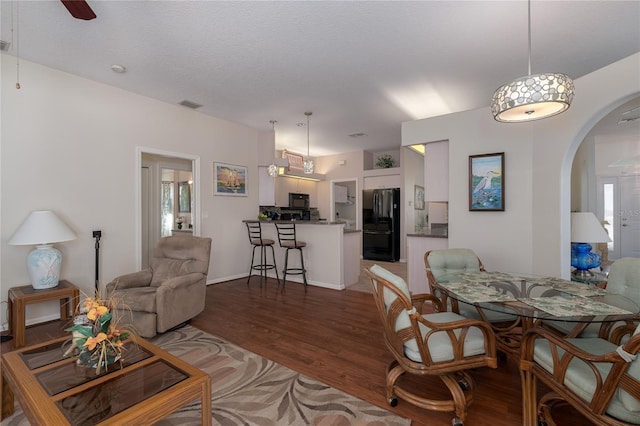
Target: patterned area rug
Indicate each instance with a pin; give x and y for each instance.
(248, 389)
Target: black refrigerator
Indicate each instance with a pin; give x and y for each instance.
(381, 224)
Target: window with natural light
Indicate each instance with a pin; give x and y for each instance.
(609, 220)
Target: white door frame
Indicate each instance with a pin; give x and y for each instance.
(333, 204)
(195, 160)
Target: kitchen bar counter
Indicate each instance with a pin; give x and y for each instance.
(332, 254)
(427, 235)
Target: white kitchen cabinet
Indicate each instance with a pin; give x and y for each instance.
(340, 194)
(436, 171)
(267, 188)
(285, 185)
(382, 182)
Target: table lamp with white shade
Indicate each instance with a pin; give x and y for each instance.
(586, 229)
(43, 228)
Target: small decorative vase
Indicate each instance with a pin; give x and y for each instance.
(180, 226)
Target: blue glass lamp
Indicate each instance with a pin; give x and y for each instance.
(585, 229)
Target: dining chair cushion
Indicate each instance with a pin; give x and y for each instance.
(439, 344)
(403, 320)
(581, 380)
(451, 261)
(624, 278)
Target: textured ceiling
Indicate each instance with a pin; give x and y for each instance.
(360, 67)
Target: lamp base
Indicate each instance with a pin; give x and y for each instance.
(583, 259)
(43, 265)
(582, 273)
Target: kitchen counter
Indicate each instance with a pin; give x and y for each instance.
(331, 256)
(307, 222)
(427, 235)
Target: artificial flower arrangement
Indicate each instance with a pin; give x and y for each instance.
(99, 341)
(385, 161)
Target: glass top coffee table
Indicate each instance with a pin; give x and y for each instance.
(52, 389)
(530, 299)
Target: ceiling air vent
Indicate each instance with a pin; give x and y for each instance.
(190, 104)
(357, 135)
(4, 45)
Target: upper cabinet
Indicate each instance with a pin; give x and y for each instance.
(382, 181)
(340, 194)
(267, 188)
(436, 171)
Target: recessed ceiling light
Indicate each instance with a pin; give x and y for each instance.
(118, 68)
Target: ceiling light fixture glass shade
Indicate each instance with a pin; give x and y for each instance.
(307, 164)
(272, 169)
(532, 97)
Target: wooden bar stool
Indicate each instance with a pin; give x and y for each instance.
(254, 229)
(287, 240)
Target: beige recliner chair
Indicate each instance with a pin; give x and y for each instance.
(170, 292)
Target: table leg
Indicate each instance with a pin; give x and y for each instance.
(529, 398)
(75, 302)
(18, 326)
(68, 305)
(7, 397)
(10, 314)
(206, 403)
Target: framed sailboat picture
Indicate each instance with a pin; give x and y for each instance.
(486, 182)
(229, 179)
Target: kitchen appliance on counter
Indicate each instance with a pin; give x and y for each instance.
(298, 201)
(381, 224)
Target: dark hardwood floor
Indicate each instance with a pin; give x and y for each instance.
(334, 337)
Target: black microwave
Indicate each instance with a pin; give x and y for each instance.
(298, 201)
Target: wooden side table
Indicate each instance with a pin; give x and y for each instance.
(19, 297)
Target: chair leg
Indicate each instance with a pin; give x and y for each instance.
(275, 266)
(263, 267)
(304, 271)
(284, 272)
(253, 254)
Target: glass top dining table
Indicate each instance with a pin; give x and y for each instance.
(513, 303)
(538, 298)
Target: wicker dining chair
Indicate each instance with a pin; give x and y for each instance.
(599, 378)
(444, 262)
(442, 344)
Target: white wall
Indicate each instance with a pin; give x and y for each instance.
(532, 234)
(69, 145)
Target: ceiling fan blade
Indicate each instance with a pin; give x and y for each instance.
(79, 9)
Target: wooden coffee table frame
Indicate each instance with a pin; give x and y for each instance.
(40, 408)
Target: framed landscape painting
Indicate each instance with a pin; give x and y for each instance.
(418, 197)
(486, 182)
(229, 179)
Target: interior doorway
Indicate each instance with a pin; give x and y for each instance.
(167, 190)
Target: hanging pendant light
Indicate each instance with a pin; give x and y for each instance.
(307, 165)
(532, 97)
(272, 169)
